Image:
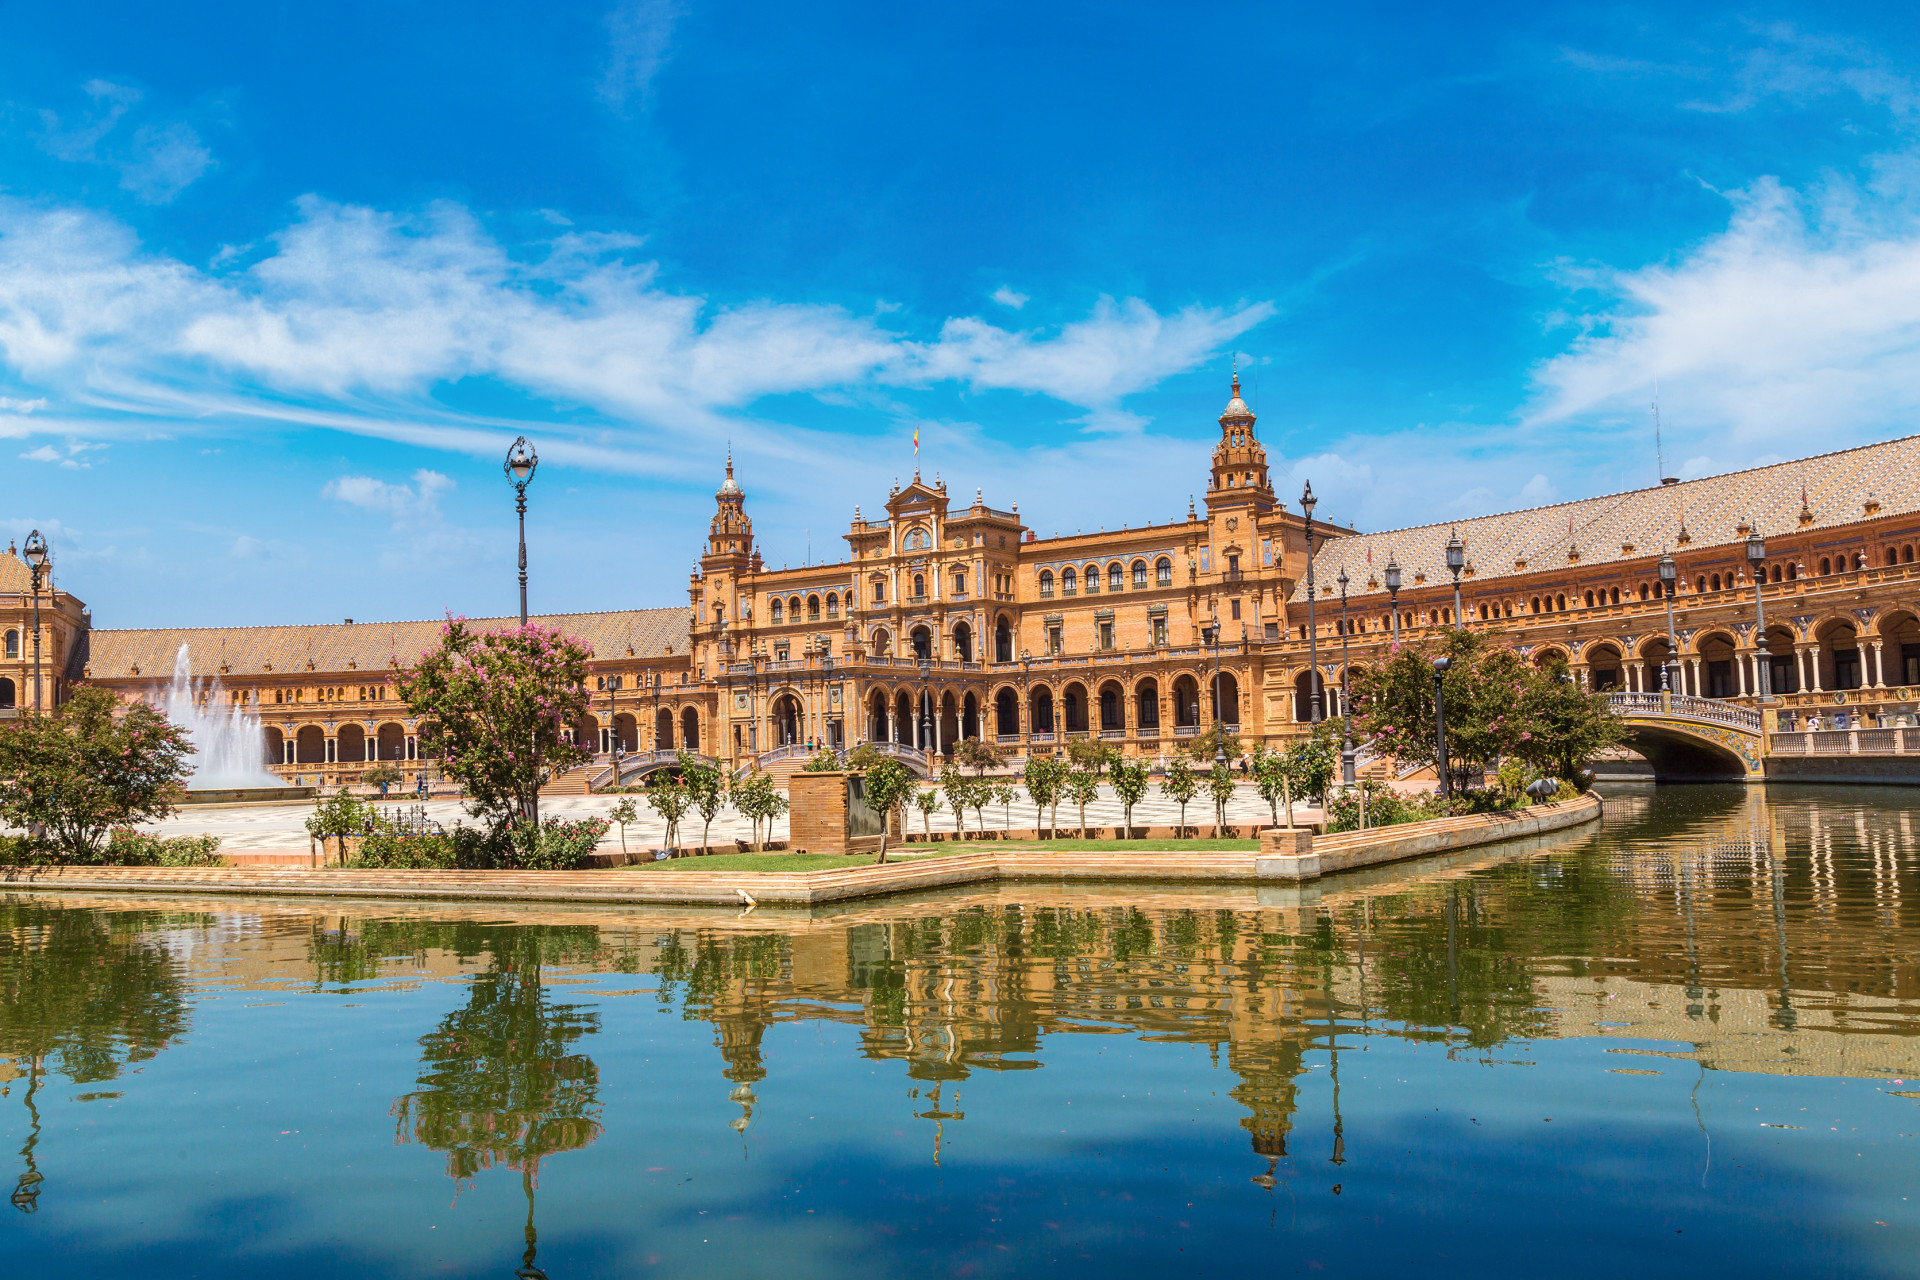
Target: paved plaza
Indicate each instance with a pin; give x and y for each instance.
(250, 828)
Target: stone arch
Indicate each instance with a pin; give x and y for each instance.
(1113, 707)
(273, 744)
(793, 608)
(813, 608)
(949, 726)
(1898, 631)
(1224, 699)
(1040, 709)
(1146, 703)
(785, 719)
(663, 730)
(919, 586)
(833, 604)
(690, 729)
(1837, 652)
(775, 611)
(877, 715)
(970, 715)
(1046, 582)
(1720, 674)
(1116, 576)
(350, 744)
(1002, 639)
(963, 641)
(1186, 701)
(390, 741)
(1139, 575)
(1163, 572)
(586, 731)
(1069, 581)
(1543, 657)
(921, 640)
(1073, 707)
(626, 731)
(1006, 713)
(310, 745)
(1091, 574)
(1303, 696)
(1606, 667)
(882, 644)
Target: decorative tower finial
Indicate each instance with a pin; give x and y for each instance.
(1190, 512)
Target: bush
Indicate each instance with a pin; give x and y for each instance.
(1385, 807)
(826, 760)
(129, 848)
(559, 846)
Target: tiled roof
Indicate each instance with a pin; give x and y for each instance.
(14, 574)
(1837, 487)
(358, 646)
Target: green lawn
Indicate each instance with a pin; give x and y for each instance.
(793, 861)
(1123, 846)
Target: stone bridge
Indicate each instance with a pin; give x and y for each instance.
(1688, 739)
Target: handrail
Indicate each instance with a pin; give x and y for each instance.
(1685, 706)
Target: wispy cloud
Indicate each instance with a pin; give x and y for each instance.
(639, 34)
(156, 162)
(73, 457)
(357, 316)
(1006, 297)
(418, 501)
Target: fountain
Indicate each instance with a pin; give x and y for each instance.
(229, 750)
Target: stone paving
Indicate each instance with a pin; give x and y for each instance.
(244, 828)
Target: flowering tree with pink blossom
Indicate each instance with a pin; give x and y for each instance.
(498, 708)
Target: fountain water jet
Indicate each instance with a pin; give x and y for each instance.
(229, 744)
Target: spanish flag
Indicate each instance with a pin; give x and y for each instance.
(916, 444)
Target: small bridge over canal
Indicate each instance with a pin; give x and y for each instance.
(1688, 739)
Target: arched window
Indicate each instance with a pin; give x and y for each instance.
(1067, 582)
(1559, 604)
(959, 582)
(773, 609)
(1046, 583)
(833, 604)
(1893, 557)
(1535, 605)
(1093, 579)
(1700, 583)
(1115, 576)
(13, 644)
(813, 608)
(793, 609)
(1906, 554)
(1793, 571)
(1139, 575)
(1163, 572)
(1826, 566)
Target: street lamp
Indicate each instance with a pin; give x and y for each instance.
(36, 549)
(926, 707)
(1668, 572)
(1346, 706)
(521, 460)
(1393, 595)
(1440, 666)
(1211, 635)
(1314, 712)
(1756, 561)
(1456, 561)
(1026, 698)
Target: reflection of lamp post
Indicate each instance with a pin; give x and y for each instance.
(1456, 561)
(1314, 712)
(1440, 666)
(1756, 560)
(521, 460)
(1393, 595)
(36, 549)
(1347, 772)
(1668, 572)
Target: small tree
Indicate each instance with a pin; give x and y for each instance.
(341, 814)
(1180, 786)
(1091, 754)
(670, 800)
(706, 790)
(826, 760)
(977, 755)
(1130, 784)
(887, 784)
(89, 767)
(927, 801)
(1042, 776)
(1273, 779)
(1217, 736)
(1082, 788)
(760, 803)
(1220, 787)
(1004, 795)
(621, 814)
(958, 788)
(382, 776)
(498, 709)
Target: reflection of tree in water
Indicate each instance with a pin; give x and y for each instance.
(82, 994)
(499, 1084)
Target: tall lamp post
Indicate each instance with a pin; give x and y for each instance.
(1756, 560)
(926, 709)
(1440, 666)
(1668, 573)
(521, 460)
(1393, 595)
(1315, 713)
(1456, 561)
(1211, 635)
(36, 549)
(1347, 774)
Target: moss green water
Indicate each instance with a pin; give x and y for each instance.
(1687, 1042)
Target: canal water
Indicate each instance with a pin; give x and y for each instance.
(1686, 1042)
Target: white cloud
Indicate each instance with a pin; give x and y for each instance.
(1537, 492)
(156, 163)
(638, 35)
(163, 162)
(9, 405)
(45, 453)
(74, 459)
(1802, 317)
(418, 502)
(1006, 297)
(356, 316)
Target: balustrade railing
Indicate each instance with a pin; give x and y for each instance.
(1685, 706)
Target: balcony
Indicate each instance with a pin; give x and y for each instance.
(1233, 575)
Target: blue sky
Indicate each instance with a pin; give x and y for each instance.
(279, 283)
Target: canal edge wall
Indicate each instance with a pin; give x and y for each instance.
(1330, 854)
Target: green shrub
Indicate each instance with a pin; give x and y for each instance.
(559, 845)
(129, 848)
(1385, 807)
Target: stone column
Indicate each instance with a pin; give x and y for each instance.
(1879, 681)
(1740, 672)
(1813, 660)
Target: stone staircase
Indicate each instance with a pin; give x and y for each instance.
(574, 781)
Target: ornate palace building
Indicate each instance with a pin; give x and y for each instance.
(946, 621)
